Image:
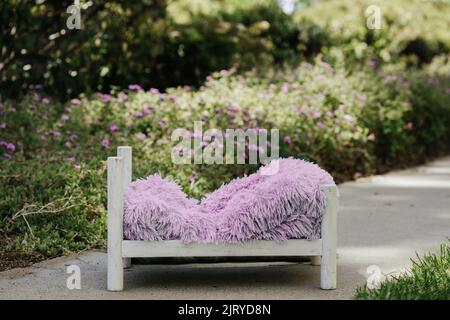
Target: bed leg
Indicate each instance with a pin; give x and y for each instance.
(115, 223)
(126, 263)
(315, 260)
(328, 268)
(126, 154)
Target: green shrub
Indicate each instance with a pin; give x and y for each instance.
(159, 43)
(428, 279)
(143, 42)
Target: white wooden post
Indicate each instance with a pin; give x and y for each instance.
(328, 267)
(126, 154)
(115, 223)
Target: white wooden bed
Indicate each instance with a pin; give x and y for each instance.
(120, 251)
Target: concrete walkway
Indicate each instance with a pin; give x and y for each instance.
(383, 220)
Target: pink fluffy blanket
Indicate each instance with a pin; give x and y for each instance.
(282, 200)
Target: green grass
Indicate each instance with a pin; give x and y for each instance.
(428, 279)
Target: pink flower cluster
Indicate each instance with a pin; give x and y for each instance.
(8, 149)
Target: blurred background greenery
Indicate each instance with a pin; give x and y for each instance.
(166, 43)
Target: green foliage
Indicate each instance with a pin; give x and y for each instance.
(428, 279)
(53, 189)
(413, 30)
(143, 42)
(160, 43)
(54, 207)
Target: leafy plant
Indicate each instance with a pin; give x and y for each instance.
(428, 279)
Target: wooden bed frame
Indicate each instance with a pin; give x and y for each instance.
(120, 251)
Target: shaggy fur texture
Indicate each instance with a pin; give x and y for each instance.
(278, 207)
(157, 209)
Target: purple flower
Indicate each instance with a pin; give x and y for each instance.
(69, 109)
(105, 97)
(9, 146)
(287, 140)
(45, 101)
(327, 66)
(141, 136)
(69, 159)
(361, 97)
(13, 110)
(162, 123)
(55, 134)
(122, 95)
(139, 114)
(75, 101)
(315, 114)
(348, 117)
(146, 111)
(76, 167)
(390, 78)
(113, 128)
(105, 143)
(372, 63)
(135, 87)
(301, 110)
(7, 156)
(65, 117)
(2, 125)
(320, 125)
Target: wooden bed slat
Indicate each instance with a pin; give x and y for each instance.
(176, 248)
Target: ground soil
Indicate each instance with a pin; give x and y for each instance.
(10, 259)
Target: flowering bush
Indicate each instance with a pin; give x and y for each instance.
(53, 155)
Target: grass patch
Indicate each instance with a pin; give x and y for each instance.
(428, 279)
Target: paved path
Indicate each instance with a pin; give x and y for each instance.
(383, 220)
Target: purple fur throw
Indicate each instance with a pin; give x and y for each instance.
(282, 201)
